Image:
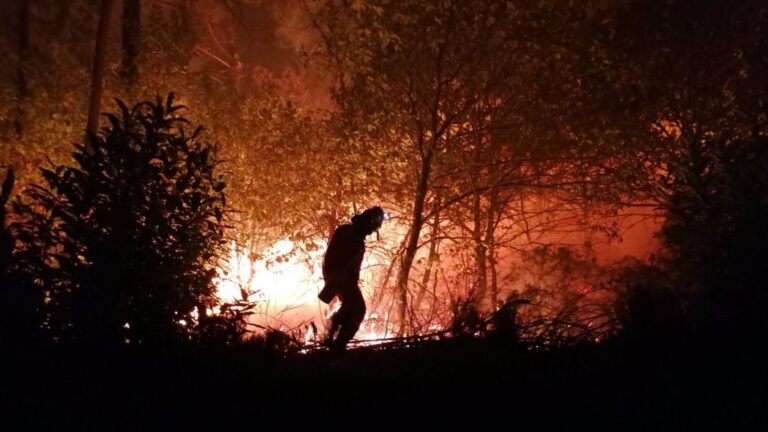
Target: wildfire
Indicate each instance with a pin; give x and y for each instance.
(278, 282)
(281, 288)
(282, 284)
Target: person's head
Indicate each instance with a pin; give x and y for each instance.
(370, 220)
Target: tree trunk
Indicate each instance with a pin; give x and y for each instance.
(97, 75)
(21, 74)
(478, 217)
(62, 17)
(378, 296)
(131, 41)
(481, 286)
(433, 244)
(413, 242)
(490, 241)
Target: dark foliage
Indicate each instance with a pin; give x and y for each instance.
(466, 319)
(6, 242)
(716, 228)
(224, 330)
(649, 306)
(686, 386)
(18, 321)
(122, 245)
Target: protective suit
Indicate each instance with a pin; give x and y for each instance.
(341, 271)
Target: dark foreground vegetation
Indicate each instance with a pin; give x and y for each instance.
(679, 384)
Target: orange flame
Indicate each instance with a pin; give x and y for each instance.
(283, 284)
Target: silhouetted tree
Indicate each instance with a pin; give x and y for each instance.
(131, 42)
(22, 87)
(649, 306)
(716, 226)
(97, 74)
(19, 322)
(123, 245)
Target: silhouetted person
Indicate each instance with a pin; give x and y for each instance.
(466, 319)
(341, 271)
(504, 320)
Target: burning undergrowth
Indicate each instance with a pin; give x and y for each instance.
(553, 296)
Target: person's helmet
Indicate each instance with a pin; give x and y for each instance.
(370, 220)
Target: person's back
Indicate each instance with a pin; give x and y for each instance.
(344, 255)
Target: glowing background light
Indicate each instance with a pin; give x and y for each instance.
(283, 283)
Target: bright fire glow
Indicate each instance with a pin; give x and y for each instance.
(278, 278)
(282, 283)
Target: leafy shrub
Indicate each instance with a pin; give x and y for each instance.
(123, 244)
(648, 306)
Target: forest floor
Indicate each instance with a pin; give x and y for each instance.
(678, 385)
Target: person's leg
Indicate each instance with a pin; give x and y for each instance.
(336, 321)
(354, 312)
(333, 329)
